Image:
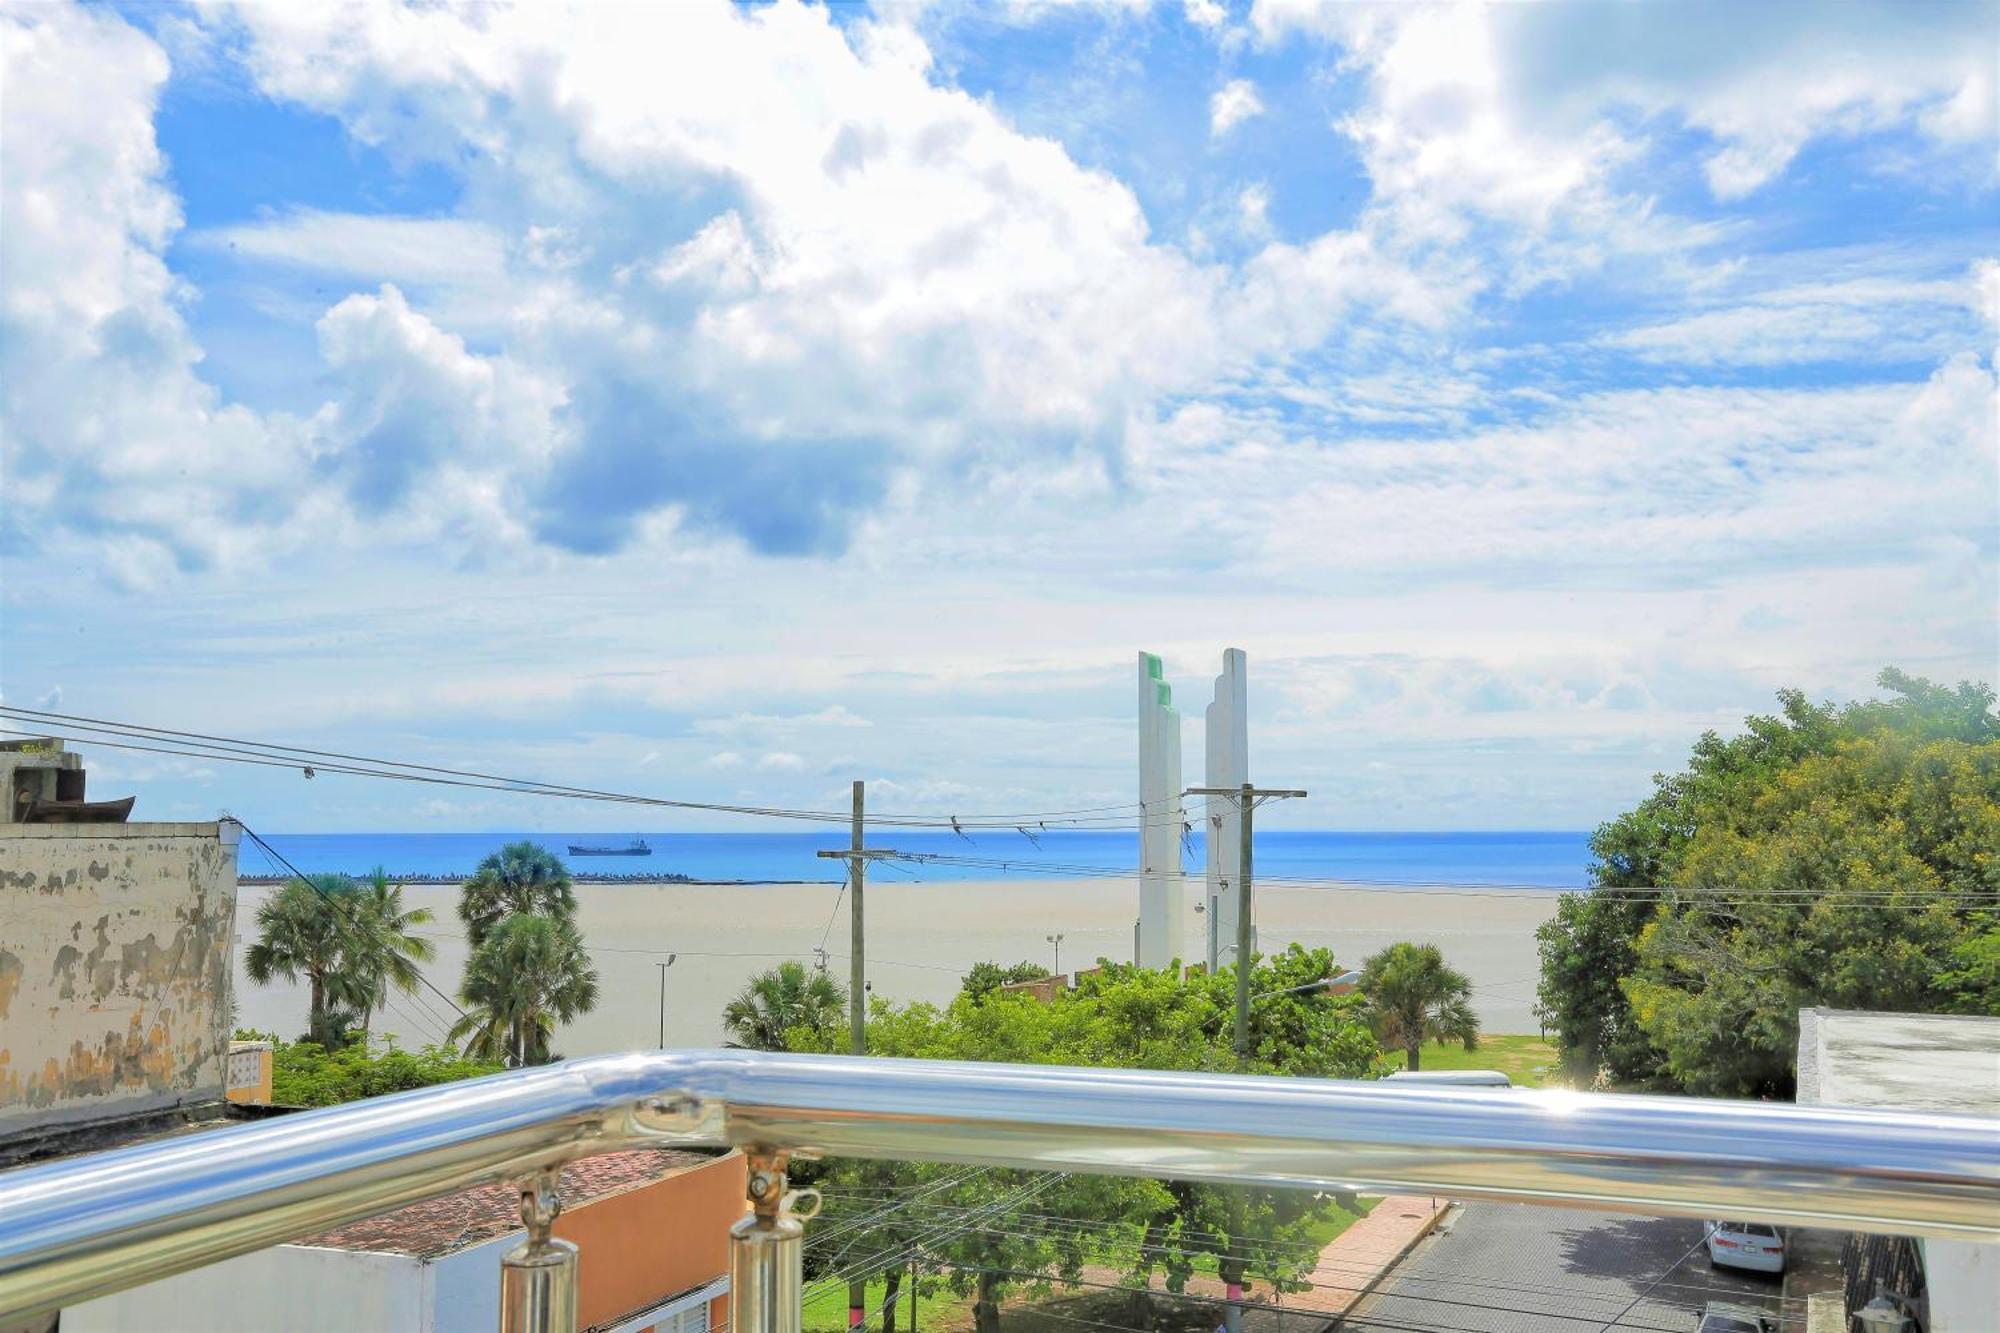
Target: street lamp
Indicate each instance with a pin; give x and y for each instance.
(1056, 940)
(1346, 978)
(663, 997)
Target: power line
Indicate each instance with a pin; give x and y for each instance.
(423, 1019)
(233, 750)
(1053, 1225)
(1351, 1321)
(300, 875)
(1687, 896)
(229, 749)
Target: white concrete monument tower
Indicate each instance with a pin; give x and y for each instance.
(1226, 763)
(1162, 900)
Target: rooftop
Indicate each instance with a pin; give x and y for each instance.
(437, 1227)
(1903, 1062)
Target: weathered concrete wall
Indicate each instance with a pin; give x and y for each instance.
(114, 969)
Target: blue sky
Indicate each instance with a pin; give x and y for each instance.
(726, 402)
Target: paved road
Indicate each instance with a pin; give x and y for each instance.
(1513, 1268)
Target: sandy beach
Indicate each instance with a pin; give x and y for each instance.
(921, 939)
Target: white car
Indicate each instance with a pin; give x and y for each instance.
(1452, 1078)
(1751, 1245)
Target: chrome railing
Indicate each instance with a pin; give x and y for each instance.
(93, 1225)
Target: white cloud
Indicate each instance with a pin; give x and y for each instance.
(369, 246)
(901, 279)
(1873, 319)
(419, 420)
(1207, 14)
(1671, 484)
(1986, 279)
(781, 761)
(1253, 207)
(1233, 103)
(107, 429)
(1523, 105)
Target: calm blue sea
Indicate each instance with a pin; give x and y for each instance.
(1548, 860)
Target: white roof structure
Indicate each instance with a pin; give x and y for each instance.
(1915, 1062)
(1905, 1062)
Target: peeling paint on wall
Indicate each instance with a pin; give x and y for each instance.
(10, 981)
(114, 969)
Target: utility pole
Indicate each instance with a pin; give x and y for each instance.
(1247, 799)
(663, 997)
(857, 979)
(857, 858)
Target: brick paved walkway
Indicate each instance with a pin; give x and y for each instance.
(1359, 1257)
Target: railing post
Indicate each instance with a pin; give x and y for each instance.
(538, 1276)
(767, 1251)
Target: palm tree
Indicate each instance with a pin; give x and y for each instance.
(786, 997)
(520, 877)
(529, 974)
(306, 929)
(1414, 998)
(383, 951)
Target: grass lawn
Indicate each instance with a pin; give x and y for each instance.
(1529, 1061)
(936, 1309)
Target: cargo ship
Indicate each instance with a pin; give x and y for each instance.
(637, 847)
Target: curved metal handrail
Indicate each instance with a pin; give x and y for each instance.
(97, 1224)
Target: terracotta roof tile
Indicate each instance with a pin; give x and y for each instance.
(453, 1221)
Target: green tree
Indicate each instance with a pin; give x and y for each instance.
(520, 877)
(1129, 1017)
(383, 951)
(787, 999)
(308, 930)
(530, 973)
(1587, 949)
(1412, 998)
(1826, 856)
(1854, 880)
(304, 1073)
(985, 978)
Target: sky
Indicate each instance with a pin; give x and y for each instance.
(725, 402)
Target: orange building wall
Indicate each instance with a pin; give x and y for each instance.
(644, 1245)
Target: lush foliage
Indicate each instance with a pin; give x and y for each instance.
(985, 978)
(1412, 998)
(529, 974)
(1828, 856)
(350, 942)
(522, 877)
(786, 1004)
(1125, 1017)
(529, 969)
(304, 1073)
(386, 951)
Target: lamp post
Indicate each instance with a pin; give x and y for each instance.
(1056, 940)
(663, 997)
(1344, 978)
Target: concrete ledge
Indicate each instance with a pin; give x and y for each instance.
(129, 829)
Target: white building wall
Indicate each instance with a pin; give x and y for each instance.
(115, 974)
(1226, 763)
(464, 1288)
(1964, 1283)
(290, 1287)
(1162, 893)
(1915, 1062)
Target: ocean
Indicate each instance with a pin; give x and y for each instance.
(1538, 860)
